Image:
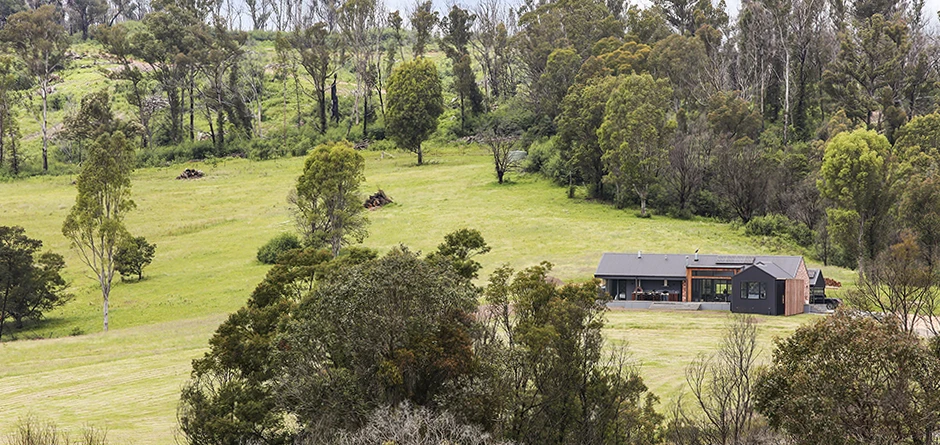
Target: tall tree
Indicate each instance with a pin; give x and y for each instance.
(117, 41)
(414, 104)
(11, 84)
(95, 224)
(316, 49)
(329, 210)
(455, 40)
(84, 13)
(856, 177)
(423, 20)
(635, 135)
(582, 113)
(359, 22)
(40, 42)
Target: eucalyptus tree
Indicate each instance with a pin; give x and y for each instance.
(95, 224)
(40, 42)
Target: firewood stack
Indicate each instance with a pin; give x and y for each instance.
(190, 173)
(377, 200)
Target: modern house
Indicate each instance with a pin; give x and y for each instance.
(772, 285)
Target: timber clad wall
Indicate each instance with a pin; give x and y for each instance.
(794, 296)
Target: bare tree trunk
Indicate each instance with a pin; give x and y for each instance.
(43, 93)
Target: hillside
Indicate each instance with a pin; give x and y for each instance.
(207, 232)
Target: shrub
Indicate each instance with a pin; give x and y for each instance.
(779, 226)
(543, 157)
(269, 252)
(132, 255)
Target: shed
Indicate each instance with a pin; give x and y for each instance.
(817, 286)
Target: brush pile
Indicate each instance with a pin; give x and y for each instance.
(377, 200)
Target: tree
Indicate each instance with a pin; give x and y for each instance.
(635, 135)
(93, 119)
(881, 384)
(30, 283)
(459, 248)
(456, 30)
(582, 113)
(900, 287)
(856, 177)
(328, 209)
(85, 13)
(551, 376)
(387, 331)
(133, 254)
(230, 397)
(500, 134)
(423, 20)
(40, 42)
(316, 49)
(117, 42)
(11, 82)
(414, 104)
(722, 388)
(95, 224)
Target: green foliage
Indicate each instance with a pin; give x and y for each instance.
(329, 209)
(270, 251)
(549, 372)
(229, 396)
(132, 255)
(459, 248)
(95, 224)
(582, 113)
(780, 226)
(30, 283)
(37, 38)
(389, 330)
(880, 384)
(414, 102)
(635, 135)
(856, 175)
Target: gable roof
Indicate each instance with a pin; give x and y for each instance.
(816, 277)
(673, 265)
(773, 270)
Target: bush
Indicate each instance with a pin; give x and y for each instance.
(779, 226)
(543, 157)
(269, 252)
(132, 255)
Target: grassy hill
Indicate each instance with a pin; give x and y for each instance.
(207, 232)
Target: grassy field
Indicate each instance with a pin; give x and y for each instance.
(208, 231)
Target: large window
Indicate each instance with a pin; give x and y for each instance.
(753, 290)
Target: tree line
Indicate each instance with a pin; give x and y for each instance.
(675, 107)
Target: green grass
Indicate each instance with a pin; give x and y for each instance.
(208, 231)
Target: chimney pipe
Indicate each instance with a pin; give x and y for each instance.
(686, 260)
(696, 255)
(639, 254)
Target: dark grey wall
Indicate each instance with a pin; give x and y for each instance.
(773, 305)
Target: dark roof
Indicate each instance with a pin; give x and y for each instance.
(773, 270)
(673, 265)
(816, 277)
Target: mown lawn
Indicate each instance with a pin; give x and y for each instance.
(208, 231)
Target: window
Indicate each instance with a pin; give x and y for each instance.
(753, 290)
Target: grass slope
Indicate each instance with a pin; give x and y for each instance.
(208, 231)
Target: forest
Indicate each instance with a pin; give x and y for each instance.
(810, 122)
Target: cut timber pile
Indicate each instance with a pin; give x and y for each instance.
(190, 173)
(832, 283)
(379, 199)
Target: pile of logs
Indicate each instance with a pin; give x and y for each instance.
(190, 173)
(377, 200)
(832, 283)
